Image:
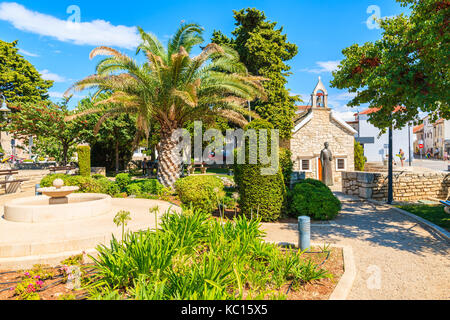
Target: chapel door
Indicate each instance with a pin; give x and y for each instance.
(319, 169)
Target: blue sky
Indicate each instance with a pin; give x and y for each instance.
(60, 50)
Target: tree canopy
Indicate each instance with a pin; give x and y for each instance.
(19, 80)
(264, 50)
(408, 66)
(172, 88)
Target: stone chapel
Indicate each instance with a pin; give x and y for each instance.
(314, 125)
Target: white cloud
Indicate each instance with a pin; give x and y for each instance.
(346, 115)
(324, 67)
(28, 53)
(95, 33)
(47, 75)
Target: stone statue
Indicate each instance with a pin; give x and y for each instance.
(326, 157)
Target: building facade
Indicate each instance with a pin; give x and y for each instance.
(316, 124)
(376, 145)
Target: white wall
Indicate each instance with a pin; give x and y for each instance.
(377, 152)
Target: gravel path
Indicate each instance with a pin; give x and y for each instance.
(395, 257)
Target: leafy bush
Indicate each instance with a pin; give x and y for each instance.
(193, 257)
(314, 199)
(286, 165)
(260, 195)
(123, 180)
(200, 192)
(84, 160)
(143, 187)
(360, 159)
(47, 181)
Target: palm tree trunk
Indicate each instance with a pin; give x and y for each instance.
(117, 156)
(169, 163)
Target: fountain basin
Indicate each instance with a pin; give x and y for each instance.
(39, 210)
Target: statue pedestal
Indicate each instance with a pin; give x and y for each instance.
(60, 200)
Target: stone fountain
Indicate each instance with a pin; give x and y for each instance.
(58, 193)
(58, 203)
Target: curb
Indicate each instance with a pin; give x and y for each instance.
(426, 223)
(345, 285)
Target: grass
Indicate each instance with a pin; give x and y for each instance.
(432, 213)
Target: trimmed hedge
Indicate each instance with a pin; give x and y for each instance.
(84, 160)
(314, 199)
(287, 166)
(360, 159)
(260, 195)
(201, 192)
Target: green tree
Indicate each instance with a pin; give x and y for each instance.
(19, 80)
(264, 49)
(360, 159)
(172, 87)
(46, 122)
(408, 66)
(113, 140)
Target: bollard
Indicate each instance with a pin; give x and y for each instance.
(304, 228)
(38, 186)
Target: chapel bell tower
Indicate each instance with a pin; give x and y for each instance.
(320, 96)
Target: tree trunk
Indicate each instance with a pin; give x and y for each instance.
(169, 163)
(65, 152)
(117, 157)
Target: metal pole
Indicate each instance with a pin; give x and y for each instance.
(409, 144)
(391, 170)
(304, 229)
(249, 110)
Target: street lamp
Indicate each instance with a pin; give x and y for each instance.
(4, 109)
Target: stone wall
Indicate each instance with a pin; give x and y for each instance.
(407, 186)
(308, 142)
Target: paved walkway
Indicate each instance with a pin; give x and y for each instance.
(395, 257)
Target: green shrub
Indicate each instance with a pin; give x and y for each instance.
(47, 181)
(123, 180)
(98, 176)
(286, 165)
(260, 195)
(360, 159)
(84, 160)
(314, 199)
(202, 192)
(133, 189)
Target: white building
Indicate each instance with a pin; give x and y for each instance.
(428, 134)
(376, 147)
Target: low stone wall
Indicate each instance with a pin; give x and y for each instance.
(408, 186)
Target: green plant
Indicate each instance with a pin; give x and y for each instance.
(202, 192)
(177, 88)
(123, 180)
(286, 165)
(315, 200)
(193, 257)
(260, 194)
(76, 260)
(84, 160)
(360, 159)
(121, 219)
(31, 282)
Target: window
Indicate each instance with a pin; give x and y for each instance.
(305, 165)
(341, 164)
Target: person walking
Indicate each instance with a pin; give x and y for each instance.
(144, 167)
(401, 155)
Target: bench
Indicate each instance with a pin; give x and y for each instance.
(200, 166)
(11, 185)
(447, 206)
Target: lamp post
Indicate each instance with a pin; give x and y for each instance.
(4, 110)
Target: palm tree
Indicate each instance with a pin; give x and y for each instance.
(172, 87)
